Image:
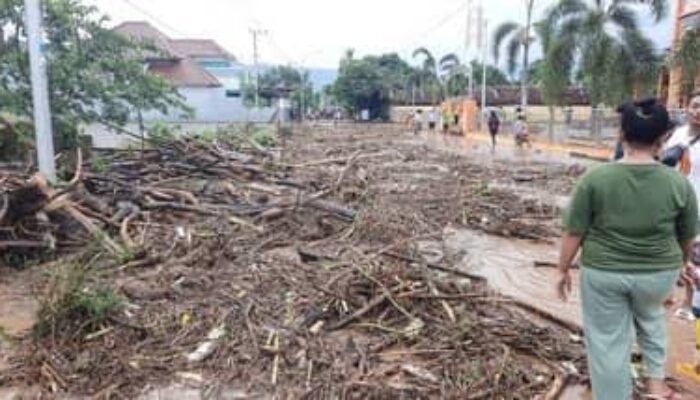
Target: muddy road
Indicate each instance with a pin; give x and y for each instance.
(420, 200)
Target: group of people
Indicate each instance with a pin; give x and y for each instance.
(635, 222)
(446, 119)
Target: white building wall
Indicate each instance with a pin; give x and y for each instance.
(212, 106)
(106, 138)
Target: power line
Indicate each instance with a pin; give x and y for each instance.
(153, 18)
(444, 20)
(441, 23)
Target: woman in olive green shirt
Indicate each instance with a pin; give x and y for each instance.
(634, 221)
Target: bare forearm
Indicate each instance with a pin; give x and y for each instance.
(687, 247)
(570, 245)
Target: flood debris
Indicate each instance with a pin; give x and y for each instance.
(295, 273)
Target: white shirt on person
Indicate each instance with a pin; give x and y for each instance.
(432, 116)
(683, 137)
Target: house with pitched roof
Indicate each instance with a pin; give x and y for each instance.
(206, 75)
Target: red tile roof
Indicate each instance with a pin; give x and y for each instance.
(201, 48)
(174, 60)
(184, 73)
(145, 32)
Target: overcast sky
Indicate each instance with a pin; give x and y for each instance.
(317, 32)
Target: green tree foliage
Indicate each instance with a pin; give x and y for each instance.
(397, 74)
(95, 75)
(458, 84)
(428, 75)
(687, 58)
(615, 59)
(372, 83)
(284, 80)
(439, 78)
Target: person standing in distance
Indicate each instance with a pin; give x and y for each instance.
(494, 124)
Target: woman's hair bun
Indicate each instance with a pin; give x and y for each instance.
(644, 121)
(647, 106)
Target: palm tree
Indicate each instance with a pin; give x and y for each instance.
(451, 69)
(436, 74)
(518, 45)
(615, 59)
(429, 71)
(449, 64)
(687, 58)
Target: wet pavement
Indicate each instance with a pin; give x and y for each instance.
(479, 145)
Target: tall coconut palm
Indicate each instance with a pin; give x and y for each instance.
(451, 69)
(437, 73)
(449, 64)
(429, 71)
(519, 36)
(615, 59)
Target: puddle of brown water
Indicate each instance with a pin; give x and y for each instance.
(509, 267)
(540, 194)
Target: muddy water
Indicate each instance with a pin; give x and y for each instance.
(509, 267)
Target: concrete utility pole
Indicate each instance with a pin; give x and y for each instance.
(303, 96)
(467, 47)
(481, 35)
(484, 56)
(256, 32)
(526, 56)
(40, 91)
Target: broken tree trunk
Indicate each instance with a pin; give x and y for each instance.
(22, 202)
